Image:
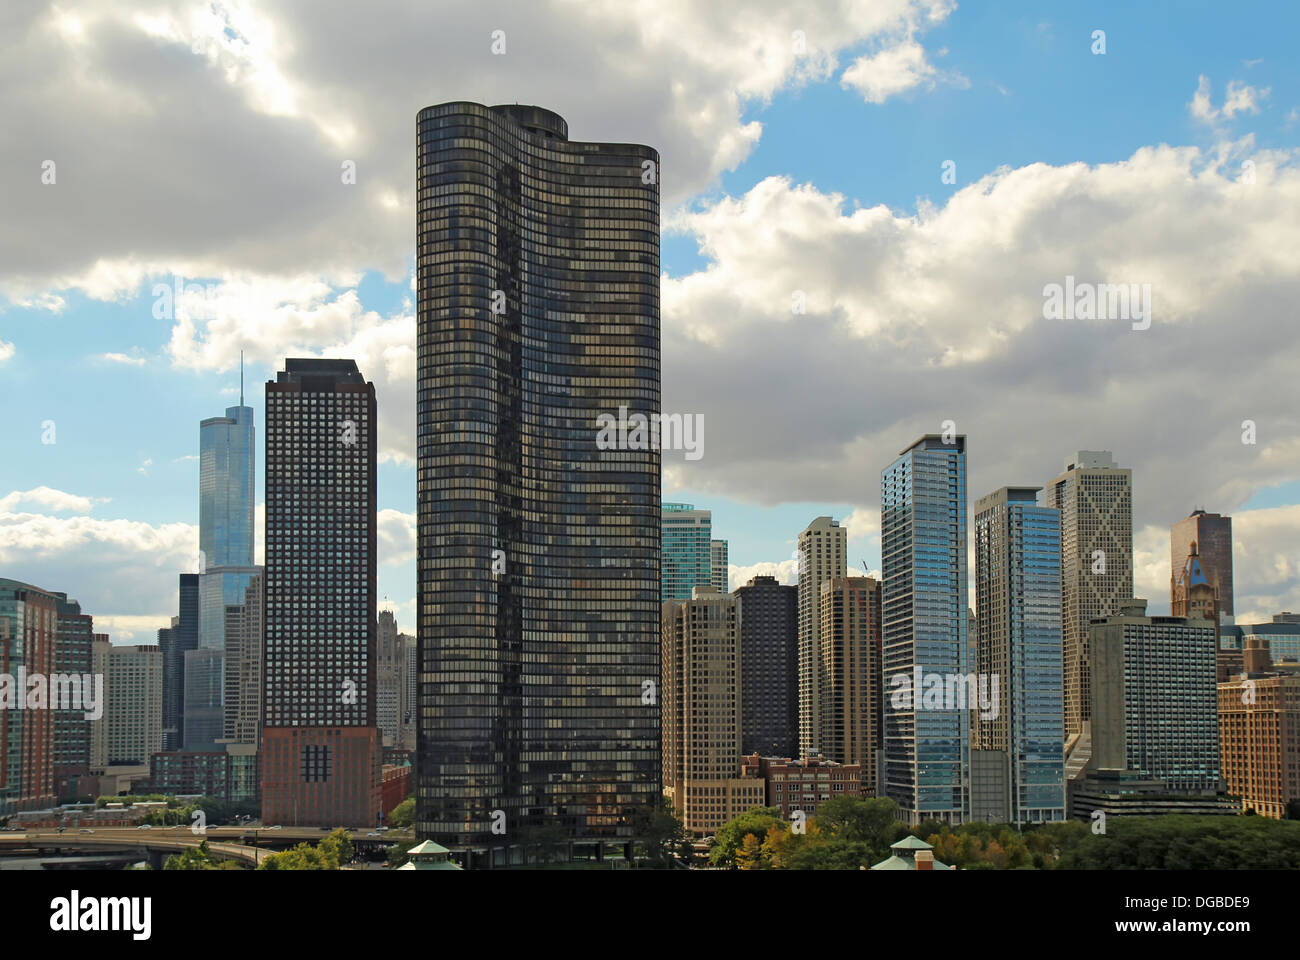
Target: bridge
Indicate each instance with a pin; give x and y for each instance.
(249, 845)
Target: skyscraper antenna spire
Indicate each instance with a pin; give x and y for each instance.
(241, 378)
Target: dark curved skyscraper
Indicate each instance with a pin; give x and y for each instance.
(538, 268)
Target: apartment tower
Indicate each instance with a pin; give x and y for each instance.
(320, 746)
(539, 551)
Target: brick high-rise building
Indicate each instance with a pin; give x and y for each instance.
(769, 684)
(1259, 735)
(701, 683)
(1211, 534)
(849, 663)
(320, 746)
(29, 630)
(821, 556)
(1095, 499)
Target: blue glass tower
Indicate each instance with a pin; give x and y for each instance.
(227, 497)
(1018, 603)
(924, 607)
(227, 461)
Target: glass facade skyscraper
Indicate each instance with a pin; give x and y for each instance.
(227, 496)
(1018, 609)
(538, 568)
(923, 562)
(687, 550)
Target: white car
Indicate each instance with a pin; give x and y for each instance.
(145, 826)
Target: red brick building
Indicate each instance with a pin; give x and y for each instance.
(803, 784)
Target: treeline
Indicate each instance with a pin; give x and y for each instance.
(848, 833)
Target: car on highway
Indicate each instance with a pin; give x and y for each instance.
(87, 830)
(145, 826)
(276, 827)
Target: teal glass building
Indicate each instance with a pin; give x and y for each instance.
(687, 550)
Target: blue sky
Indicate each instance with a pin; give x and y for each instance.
(1004, 86)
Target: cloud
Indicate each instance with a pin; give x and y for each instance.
(895, 70)
(124, 359)
(395, 534)
(56, 500)
(6, 350)
(1238, 98)
(146, 185)
(115, 567)
(143, 469)
(913, 320)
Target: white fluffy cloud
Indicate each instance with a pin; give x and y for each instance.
(915, 320)
(209, 139)
(1238, 98)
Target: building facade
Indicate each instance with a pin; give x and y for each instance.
(1018, 611)
(1155, 698)
(1259, 741)
(819, 558)
(245, 627)
(1095, 499)
(72, 657)
(849, 663)
(133, 712)
(687, 560)
(320, 746)
(176, 641)
(769, 684)
(29, 630)
(390, 670)
(802, 785)
(718, 565)
(924, 613)
(539, 550)
(702, 716)
(1211, 535)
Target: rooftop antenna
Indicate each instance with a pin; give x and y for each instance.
(241, 378)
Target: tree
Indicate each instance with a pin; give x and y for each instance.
(402, 815)
(750, 855)
(732, 833)
(657, 828)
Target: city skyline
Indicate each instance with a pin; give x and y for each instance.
(788, 139)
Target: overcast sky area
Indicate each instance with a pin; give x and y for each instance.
(915, 172)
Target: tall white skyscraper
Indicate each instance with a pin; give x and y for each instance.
(1095, 498)
(820, 558)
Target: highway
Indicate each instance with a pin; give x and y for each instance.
(223, 842)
